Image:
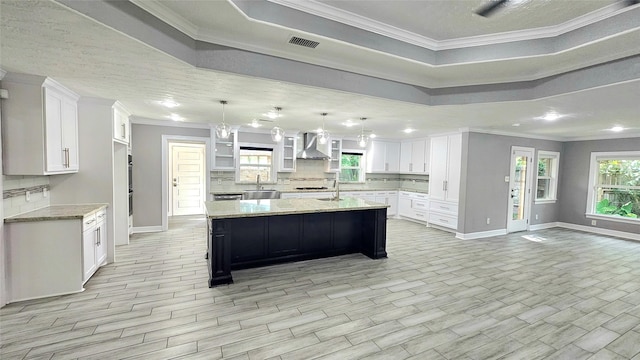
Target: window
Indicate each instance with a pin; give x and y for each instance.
(614, 186)
(352, 167)
(547, 182)
(253, 162)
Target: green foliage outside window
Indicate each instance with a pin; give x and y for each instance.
(351, 167)
(618, 193)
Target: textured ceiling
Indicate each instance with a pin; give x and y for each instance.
(45, 38)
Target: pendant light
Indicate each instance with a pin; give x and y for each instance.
(323, 135)
(223, 130)
(362, 139)
(277, 134)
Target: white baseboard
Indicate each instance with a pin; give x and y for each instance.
(543, 226)
(146, 229)
(600, 231)
(481, 234)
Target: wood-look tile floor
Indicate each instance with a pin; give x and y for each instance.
(559, 294)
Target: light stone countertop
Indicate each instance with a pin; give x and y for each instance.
(330, 189)
(57, 212)
(268, 207)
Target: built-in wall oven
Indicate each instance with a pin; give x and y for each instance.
(130, 162)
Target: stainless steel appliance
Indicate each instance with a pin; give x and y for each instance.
(130, 163)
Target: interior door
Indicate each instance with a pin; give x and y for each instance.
(187, 179)
(520, 189)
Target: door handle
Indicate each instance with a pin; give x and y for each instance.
(175, 182)
(124, 131)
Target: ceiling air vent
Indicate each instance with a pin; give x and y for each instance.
(303, 42)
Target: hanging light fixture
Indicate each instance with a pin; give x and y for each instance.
(362, 139)
(323, 135)
(223, 130)
(277, 134)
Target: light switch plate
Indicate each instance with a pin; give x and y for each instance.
(506, 179)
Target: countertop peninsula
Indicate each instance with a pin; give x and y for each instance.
(268, 207)
(57, 212)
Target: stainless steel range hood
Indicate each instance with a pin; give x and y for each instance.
(312, 150)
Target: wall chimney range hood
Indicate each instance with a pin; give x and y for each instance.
(312, 150)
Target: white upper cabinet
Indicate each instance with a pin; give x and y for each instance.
(287, 148)
(414, 156)
(121, 124)
(224, 151)
(333, 163)
(383, 157)
(40, 126)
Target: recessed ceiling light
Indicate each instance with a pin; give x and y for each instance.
(169, 103)
(175, 117)
(551, 116)
(373, 136)
(408, 130)
(349, 123)
(516, 124)
(617, 128)
(272, 114)
(255, 124)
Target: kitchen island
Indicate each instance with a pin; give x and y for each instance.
(252, 233)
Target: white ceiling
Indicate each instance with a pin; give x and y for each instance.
(46, 38)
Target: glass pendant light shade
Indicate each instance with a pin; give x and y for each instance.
(277, 134)
(323, 135)
(362, 139)
(223, 130)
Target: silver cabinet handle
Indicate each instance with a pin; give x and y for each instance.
(90, 221)
(124, 131)
(444, 186)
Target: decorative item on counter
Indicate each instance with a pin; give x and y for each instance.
(277, 134)
(323, 135)
(362, 139)
(223, 130)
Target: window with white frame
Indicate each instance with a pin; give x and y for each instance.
(547, 179)
(614, 186)
(254, 161)
(352, 166)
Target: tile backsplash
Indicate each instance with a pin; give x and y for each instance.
(14, 201)
(311, 173)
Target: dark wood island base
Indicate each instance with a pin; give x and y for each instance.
(253, 241)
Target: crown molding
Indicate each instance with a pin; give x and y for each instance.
(329, 12)
(515, 134)
(168, 16)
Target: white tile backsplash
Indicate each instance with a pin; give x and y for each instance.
(18, 204)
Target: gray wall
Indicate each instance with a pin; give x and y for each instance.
(146, 148)
(483, 191)
(574, 172)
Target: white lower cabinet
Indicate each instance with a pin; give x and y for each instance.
(414, 206)
(54, 257)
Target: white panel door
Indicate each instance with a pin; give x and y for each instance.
(188, 179)
(520, 189)
(454, 166)
(438, 172)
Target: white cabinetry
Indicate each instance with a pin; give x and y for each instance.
(54, 257)
(388, 198)
(335, 151)
(287, 158)
(94, 237)
(121, 125)
(414, 156)
(414, 206)
(444, 179)
(224, 151)
(40, 126)
(383, 157)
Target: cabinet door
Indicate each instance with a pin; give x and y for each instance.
(405, 156)
(392, 157)
(69, 121)
(224, 151)
(376, 153)
(454, 163)
(333, 164)
(88, 253)
(404, 205)
(101, 241)
(392, 201)
(438, 166)
(417, 157)
(121, 125)
(55, 152)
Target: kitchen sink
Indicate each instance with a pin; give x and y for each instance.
(260, 194)
(330, 199)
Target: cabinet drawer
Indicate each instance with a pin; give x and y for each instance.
(419, 215)
(443, 207)
(101, 215)
(420, 196)
(420, 205)
(444, 220)
(88, 222)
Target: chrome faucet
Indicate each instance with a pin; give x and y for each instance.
(336, 185)
(258, 182)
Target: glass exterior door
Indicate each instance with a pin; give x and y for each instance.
(519, 189)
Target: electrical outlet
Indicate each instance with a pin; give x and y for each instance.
(45, 192)
(536, 216)
(593, 223)
(219, 181)
(27, 195)
(488, 221)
